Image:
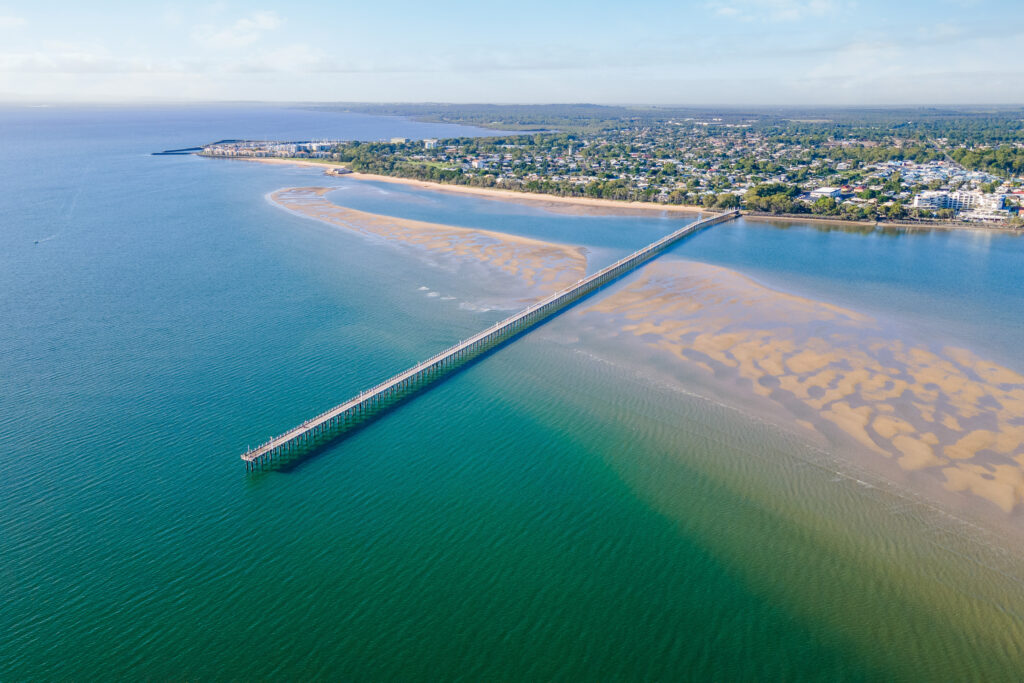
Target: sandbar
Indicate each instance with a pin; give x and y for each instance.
(942, 414)
(543, 267)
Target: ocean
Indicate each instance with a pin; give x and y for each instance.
(568, 507)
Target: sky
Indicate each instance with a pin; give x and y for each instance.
(799, 52)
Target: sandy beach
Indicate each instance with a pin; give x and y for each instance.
(542, 267)
(573, 205)
(598, 207)
(944, 416)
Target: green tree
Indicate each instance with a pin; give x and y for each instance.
(896, 211)
(853, 212)
(825, 206)
(727, 200)
(780, 203)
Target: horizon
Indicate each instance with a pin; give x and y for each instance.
(717, 53)
(967, 107)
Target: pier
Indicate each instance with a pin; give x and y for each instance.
(371, 401)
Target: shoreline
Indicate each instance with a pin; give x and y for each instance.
(884, 225)
(616, 205)
(534, 197)
(490, 192)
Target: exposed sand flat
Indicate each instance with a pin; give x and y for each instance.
(945, 414)
(544, 267)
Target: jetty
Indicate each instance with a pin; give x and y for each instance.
(372, 401)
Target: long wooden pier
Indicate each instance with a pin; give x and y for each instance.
(369, 402)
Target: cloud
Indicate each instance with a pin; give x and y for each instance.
(55, 57)
(67, 63)
(295, 58)
(861, 63)
(777, 10)
(7, 21)
(243, 32)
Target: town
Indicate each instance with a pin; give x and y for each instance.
(860, 172)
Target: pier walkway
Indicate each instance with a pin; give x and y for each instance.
(369, 402)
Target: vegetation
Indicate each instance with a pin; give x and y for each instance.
(760, 160)
(774, 198)
(1004, 160)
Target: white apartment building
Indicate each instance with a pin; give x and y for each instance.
(960, 201)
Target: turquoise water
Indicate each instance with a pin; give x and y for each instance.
(543, 514)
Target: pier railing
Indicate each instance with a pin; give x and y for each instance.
(370, 401)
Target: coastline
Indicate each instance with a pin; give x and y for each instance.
(617, 207)
(874, 225)
(533, 198)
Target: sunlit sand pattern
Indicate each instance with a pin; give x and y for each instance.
(545, 266)
(942, 411)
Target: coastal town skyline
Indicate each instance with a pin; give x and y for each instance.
(721, 52)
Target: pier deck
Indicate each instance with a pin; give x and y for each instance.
(358, 407)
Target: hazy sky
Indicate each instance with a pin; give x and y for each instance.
(709, 52)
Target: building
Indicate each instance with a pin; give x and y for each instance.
(983, 216)
(833, 192)
(934, 199)
(960, 201)
(399, 141)
(430, 143)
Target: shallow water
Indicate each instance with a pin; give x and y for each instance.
(548, 513)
